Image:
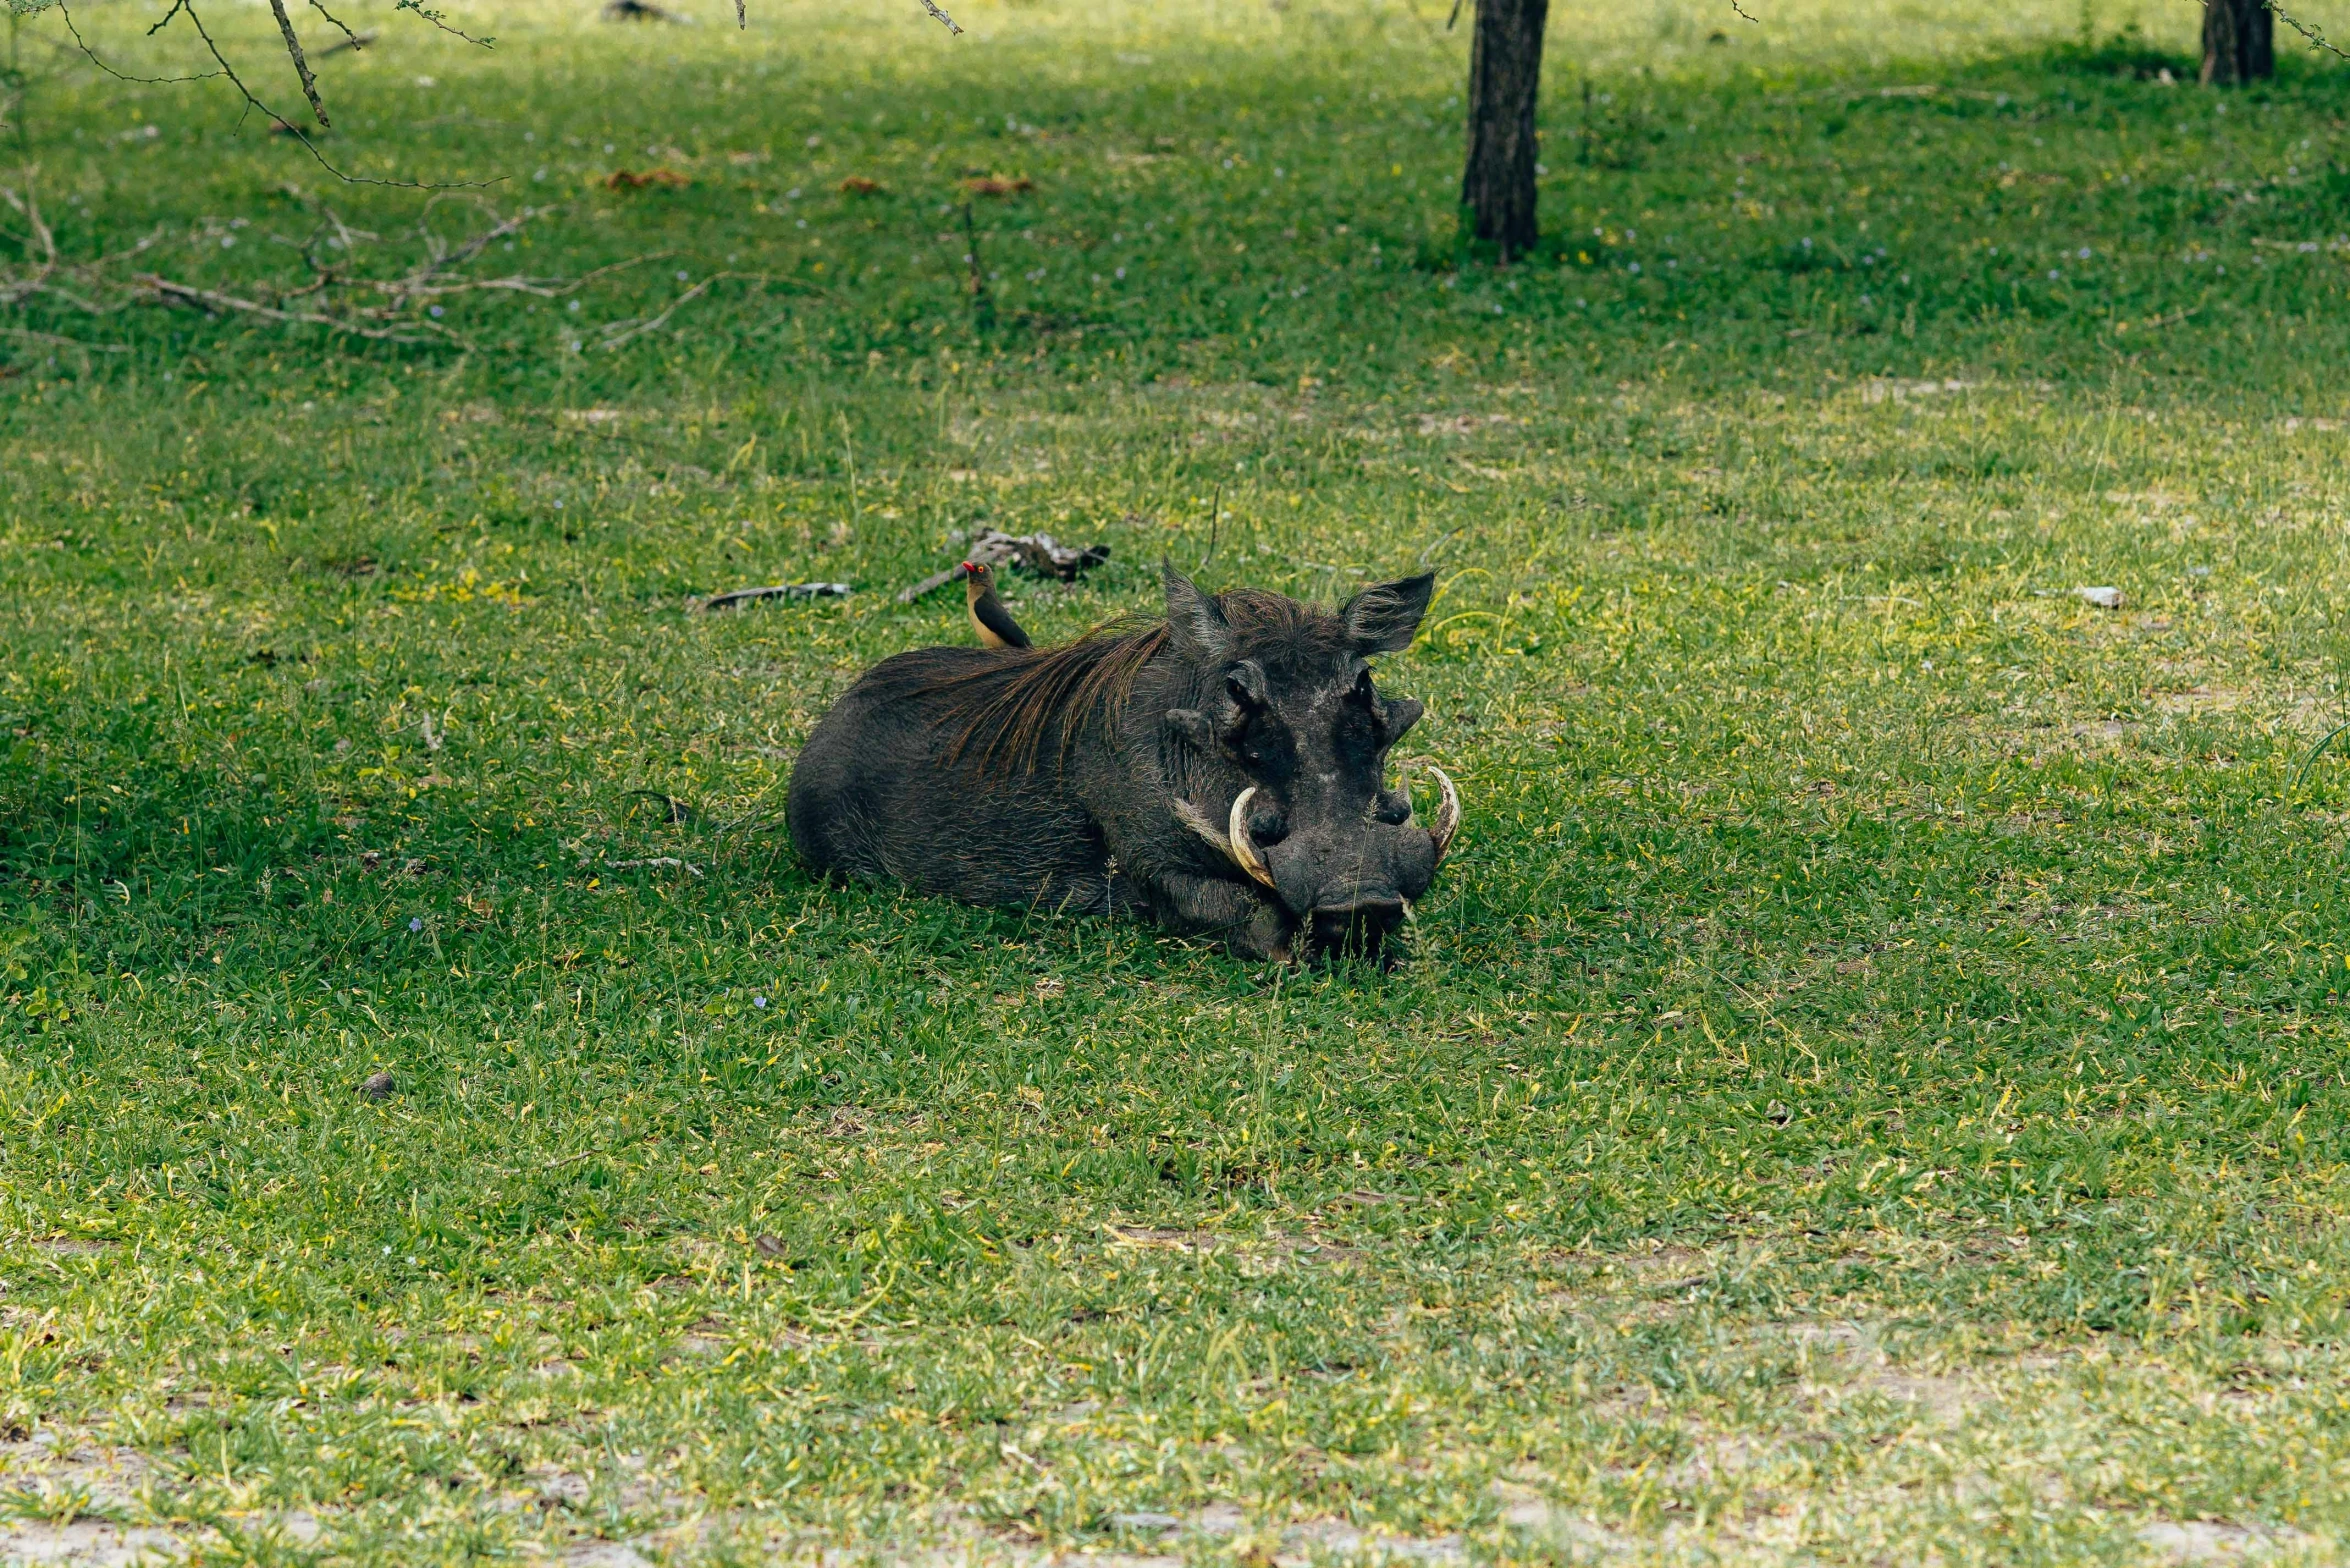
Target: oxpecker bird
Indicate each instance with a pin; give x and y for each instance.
(989, 617)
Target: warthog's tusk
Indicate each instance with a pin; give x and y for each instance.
(1229, 845)
(1448, 814)
(1244, 848)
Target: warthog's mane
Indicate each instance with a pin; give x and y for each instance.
(1011, 706)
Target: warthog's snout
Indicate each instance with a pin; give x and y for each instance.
(1353, 892)
(1360, 930)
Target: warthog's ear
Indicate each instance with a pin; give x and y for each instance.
(1384, 617)
(1201, 632)
(1246, 685)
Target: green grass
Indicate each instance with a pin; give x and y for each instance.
(1871, 1083)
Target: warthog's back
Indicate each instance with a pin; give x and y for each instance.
(892, 786)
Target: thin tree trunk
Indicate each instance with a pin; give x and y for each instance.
(1505, 78)
(2239, 41)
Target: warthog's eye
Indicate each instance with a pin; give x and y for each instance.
(1364, 692)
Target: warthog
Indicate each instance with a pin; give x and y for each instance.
(1221, 772)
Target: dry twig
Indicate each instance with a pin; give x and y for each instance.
(620, 333)
(91, 54)
(440, 20)
(294, 53)
(401, 307)
(734, 596)
(285, 28)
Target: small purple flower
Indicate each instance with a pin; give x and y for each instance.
(415, 922)
(437, 311)
(758, 1001)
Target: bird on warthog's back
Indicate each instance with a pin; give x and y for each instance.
(1221, 772)
(990, 617)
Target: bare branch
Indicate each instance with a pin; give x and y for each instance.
(656, 323)
(480, 242)
(540, 288)
(400, 308)
(30, 210)
(295, 131)
(2316, 39)
(225, 304)
(91, 54)
(348, 237)
(351, 40)
(932, 7)
(285, 27)
(441, 21)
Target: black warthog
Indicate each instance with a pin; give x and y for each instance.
(1221, 772)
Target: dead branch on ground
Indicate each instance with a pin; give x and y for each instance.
(336, 288)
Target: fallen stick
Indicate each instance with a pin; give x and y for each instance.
(735, 596)
(1037, 554)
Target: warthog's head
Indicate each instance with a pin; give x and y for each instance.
(1286, 741)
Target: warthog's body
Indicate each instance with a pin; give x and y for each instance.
(1103, 776)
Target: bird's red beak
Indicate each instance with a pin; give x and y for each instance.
(970, 570)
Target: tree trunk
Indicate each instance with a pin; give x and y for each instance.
(1505, 77)
(2239, 42)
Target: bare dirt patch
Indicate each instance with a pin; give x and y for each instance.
(2209, 1541)
(2198, 700)
(1292, 1545)
(1898, 391)
(73, 1501)
(1461, 424)
(2100, 732)
(1250, 1251)
(1852, 1363)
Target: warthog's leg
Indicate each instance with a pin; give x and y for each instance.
(1240, 917)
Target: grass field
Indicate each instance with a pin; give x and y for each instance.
(1869, 1089)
